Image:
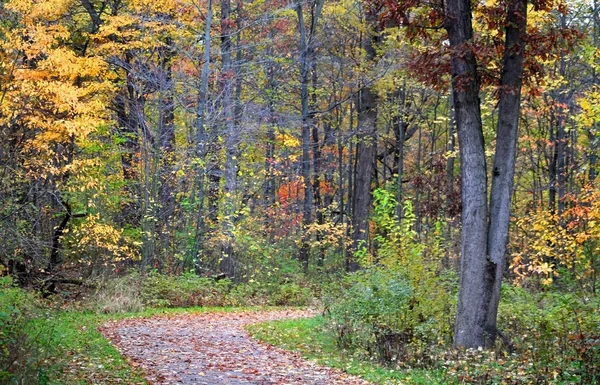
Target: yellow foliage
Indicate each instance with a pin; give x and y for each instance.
(287, 140)
(547, 242)
(55, 94)
(95, 242)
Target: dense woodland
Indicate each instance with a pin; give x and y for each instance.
(401, 163)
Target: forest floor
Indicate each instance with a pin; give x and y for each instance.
(215, 348)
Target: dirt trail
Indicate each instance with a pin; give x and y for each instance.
(214, 348)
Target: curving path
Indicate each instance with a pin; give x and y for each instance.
(214, 348)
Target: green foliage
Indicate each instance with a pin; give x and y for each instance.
(262, 259)
(265, 293)
(312, 337)
(84, 356)
(379, 313)
(22, 350)
(187, 290)
(554, 340)
(558, 333)
(134, 293)
(394, 310)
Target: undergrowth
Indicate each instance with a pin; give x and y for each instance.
(54, 342)
(312, 338)
(134, 292)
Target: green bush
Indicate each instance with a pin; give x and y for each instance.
(134, 292)
(559, 333)
(269, 293)
(399, 307)
(381, 313)
(187, 290)
(291, 294)
(23, 352)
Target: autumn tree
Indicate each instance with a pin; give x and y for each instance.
(484, 224)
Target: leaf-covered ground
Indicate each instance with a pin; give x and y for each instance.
(214, 348)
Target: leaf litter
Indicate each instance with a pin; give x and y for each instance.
(213, 349)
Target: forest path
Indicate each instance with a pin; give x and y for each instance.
(213, 349)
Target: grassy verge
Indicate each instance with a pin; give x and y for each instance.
(309, 338)
(79, 354)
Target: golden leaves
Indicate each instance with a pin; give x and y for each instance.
(548, 241)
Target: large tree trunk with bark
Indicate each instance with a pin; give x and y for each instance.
(476, 270)
(484, 240)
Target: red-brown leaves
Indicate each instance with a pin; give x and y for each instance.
(430, 62)
(213, 348)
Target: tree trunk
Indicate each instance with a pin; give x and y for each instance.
(366, 152)
(400, 137)
(306, 60)
(201, 145)
(591, 133)
(308, 191)
(476, 274)
(228, 77)
(450, 186)
(505, 155)
(166, 141)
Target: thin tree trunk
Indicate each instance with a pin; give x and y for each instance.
(306, 64)
(400, 137)
(308, 190)
(451, 146)
(593, 151)
(166, 141)
(317, 161)
(201, 144)
(228, 77)
(366, 153)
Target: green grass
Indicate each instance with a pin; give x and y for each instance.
(79, 354)
(309, 337)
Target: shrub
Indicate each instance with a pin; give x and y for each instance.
(400, 306)
(187, 290)
(256, 293)
(290, 294)
(381, 313)
(22, 340)
(119, 295)
(558, 332)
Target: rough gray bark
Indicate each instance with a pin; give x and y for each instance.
(504, 159)
(484, 240)
(366, 152)
(476, 271)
